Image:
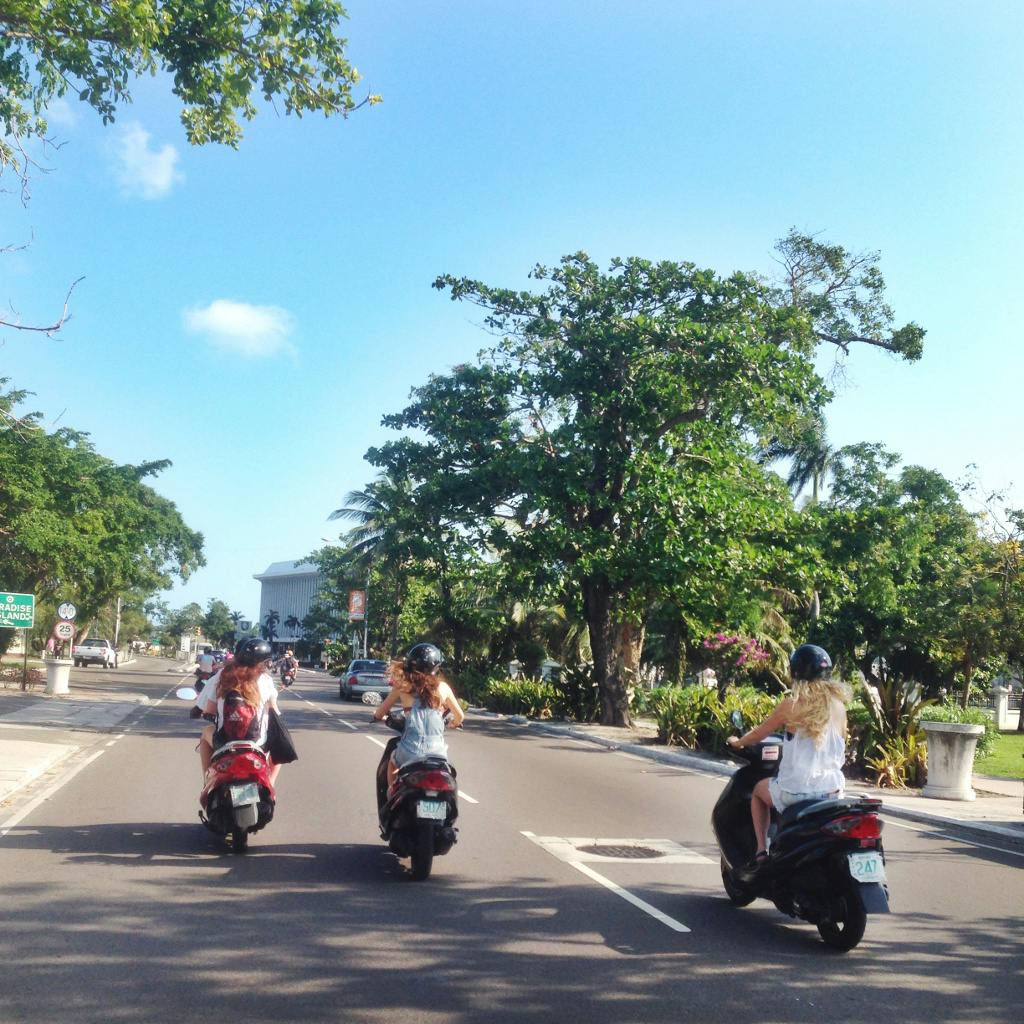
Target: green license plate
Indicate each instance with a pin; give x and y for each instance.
(867, 866)
(436, 810)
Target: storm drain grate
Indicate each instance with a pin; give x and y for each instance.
(623, 852)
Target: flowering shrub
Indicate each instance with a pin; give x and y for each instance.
(695, 716)
(733, 656)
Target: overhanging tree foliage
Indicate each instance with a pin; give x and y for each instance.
(221, 56)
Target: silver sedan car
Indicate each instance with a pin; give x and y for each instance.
(364, 676)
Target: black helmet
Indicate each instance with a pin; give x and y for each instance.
(425, 658)
(252, 651)
(810, 662)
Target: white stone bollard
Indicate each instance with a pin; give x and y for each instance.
(1001, 694)
(951, 748)
(58, 672)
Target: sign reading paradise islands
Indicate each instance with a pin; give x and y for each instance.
(17, 611)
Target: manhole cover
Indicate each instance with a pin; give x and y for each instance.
(623, 852)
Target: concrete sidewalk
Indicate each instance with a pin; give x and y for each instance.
(998, 810)
(39, 732)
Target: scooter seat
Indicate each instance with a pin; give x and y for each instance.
(432, 763)
(812, 808)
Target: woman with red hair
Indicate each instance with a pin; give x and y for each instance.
(248, 675)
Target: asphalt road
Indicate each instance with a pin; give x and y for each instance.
(118, 906)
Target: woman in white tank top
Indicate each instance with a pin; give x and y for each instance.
(813, 752)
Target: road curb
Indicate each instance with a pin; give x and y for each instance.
(726, 768)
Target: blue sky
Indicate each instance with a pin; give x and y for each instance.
(251, 315)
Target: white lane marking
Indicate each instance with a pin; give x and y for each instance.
(44, 796)
(671, 922)
(373, 739)
(953, 839)
(329, 714)
(625, 894)
(463, 795)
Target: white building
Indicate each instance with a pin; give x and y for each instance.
(288, 588)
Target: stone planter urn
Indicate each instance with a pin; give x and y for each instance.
(950, 759)
(58, 672)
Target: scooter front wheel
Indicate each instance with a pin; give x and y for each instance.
(845, 927)
(738, 895)
(423, 851)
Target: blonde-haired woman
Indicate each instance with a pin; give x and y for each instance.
(814, 748)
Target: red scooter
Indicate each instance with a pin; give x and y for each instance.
(238, 798)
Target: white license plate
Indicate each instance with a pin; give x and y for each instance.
(436, 810)
(867, 866)
(245, 794)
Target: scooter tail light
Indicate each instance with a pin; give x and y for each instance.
(854, 826)
(431, 780)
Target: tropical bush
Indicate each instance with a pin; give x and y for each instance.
(951, 711)
(528, 697)
(695, 716)
(898, 761)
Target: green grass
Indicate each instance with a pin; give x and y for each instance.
(1007, 760)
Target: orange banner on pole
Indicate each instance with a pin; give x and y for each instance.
(356, 605)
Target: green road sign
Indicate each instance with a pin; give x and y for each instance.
(17, 611)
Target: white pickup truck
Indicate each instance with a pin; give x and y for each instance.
(94, 650)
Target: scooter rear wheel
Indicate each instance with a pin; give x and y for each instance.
(849, 919)
(423, 851)
(239, 841)
(738, 895)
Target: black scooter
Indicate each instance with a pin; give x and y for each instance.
(417, 818)
(825, 859)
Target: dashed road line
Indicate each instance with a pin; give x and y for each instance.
(373, 739)
(670, 922)
(625, 894)
(463, 795)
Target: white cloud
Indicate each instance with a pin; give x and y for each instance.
(145, 172)
(60, 113)
(242, 329)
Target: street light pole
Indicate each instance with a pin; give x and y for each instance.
(366, 614)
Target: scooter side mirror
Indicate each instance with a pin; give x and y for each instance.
(186, 693)
(372, 698)
(736, 718)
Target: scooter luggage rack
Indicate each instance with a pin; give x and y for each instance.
(238, 747)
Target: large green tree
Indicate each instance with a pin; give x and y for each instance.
(76, 525)
(219, 56)
(607, 437)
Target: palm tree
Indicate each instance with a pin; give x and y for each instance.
(814, 458)
(270, 623)
(384, 533)
(294, 624)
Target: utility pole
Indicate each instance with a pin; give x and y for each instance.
(117, 623)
